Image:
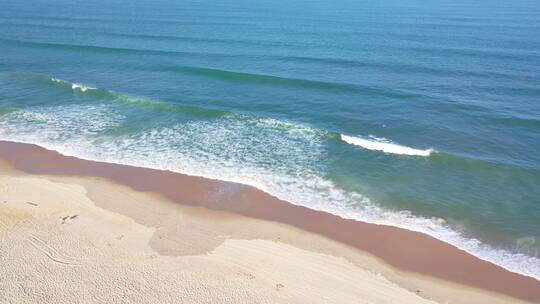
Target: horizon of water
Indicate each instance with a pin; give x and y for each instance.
(424, 116)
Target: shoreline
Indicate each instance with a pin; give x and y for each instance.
(408, 251)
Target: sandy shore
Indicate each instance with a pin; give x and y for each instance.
(111, 233)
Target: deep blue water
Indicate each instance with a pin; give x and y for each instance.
(419, 114)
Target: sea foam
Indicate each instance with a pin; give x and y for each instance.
(381, 144)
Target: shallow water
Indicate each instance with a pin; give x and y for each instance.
(420, 115)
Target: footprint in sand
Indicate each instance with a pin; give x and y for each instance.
(68, 218)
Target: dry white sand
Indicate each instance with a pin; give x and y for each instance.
(81, 240)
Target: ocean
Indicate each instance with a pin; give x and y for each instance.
(419, 114)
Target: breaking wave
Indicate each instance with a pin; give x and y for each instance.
(382, 144)
(74, 86)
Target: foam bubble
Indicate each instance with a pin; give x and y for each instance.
(381, 144)
(59, 123)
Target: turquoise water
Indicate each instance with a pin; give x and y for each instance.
(419, 114)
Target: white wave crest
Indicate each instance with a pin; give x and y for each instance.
(74, 86)
(385, 146)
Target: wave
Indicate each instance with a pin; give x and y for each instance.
(259, 78)
(234, 22)
(74, 86)
(195, 39)
(38, 25)
(380, 144)
(518, 121)
(118, 98)
(155, 105)
(370, 142)
(502, 54)
(106, 49)
(255, 78)
(154, 37)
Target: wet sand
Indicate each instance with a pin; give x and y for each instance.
(416, 259)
